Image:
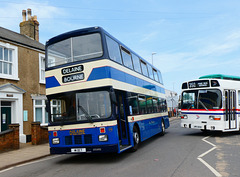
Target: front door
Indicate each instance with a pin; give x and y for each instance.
(122, 118)
(230, 105)
(5, 115)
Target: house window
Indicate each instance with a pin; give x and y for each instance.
(8, 61)
(40, 114)
(56, 107)
(41, 68)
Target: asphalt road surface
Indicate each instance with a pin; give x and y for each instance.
(179, 153)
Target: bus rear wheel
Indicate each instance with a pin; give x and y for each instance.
(136, 139)
(163, 129)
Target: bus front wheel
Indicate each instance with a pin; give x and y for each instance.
(136, 139)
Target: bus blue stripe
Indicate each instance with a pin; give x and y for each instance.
(52, 82)
(109, 72)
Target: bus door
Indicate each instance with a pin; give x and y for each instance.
(230, 105)
(122, 119)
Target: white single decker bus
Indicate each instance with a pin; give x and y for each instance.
(211, 103)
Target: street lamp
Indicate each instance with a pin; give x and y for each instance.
(152, 56)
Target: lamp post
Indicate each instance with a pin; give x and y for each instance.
(152, 56)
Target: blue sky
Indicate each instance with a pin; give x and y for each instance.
(191, 38)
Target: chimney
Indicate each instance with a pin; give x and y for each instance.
(29, 27)
(29, 13)
(24, 15)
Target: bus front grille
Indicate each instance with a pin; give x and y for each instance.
(78, 139)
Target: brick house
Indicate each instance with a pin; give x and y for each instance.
(22, 77)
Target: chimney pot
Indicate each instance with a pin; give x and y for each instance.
(29, 13)
(24, 15)
(35, 18)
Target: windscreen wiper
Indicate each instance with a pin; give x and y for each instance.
(203, 104)
(89, 118)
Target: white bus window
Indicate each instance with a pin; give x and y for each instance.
(113, 50)
(144, 68)
(155, 75)
(136, 63)
(160, 77)
(150, 71)
(127, 59)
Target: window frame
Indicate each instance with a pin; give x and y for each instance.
(126, 57)
(42, 65)
(142, 63)
(43, 107)
(111, 54)
(14, 62)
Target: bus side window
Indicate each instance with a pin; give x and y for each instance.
(142, 104)
(144, 68)
(155, 75)
(155, 105)
(113, 50)
(238, 97)
(149, 105)
(160, 77)
(126, 57)
(136, 63)
(133, 103)
(150, 71)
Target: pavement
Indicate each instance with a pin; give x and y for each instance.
(28, 152)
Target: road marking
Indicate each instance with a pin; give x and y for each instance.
(205, 153)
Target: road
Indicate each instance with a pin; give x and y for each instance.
(179, 153)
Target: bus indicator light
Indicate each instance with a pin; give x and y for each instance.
(102, 130)
(54, 134)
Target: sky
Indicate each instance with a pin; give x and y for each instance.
(190, 38)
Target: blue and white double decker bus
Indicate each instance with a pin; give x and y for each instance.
(102, 96)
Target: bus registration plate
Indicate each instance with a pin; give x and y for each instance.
(78, 150)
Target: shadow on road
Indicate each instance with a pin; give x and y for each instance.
(212, 133)
(107, 158)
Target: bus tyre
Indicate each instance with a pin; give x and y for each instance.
(136, 139)
(163, 129)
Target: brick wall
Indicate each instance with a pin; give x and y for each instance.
(39, 133)
(9, 139)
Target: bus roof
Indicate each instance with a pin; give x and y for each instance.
(220, 76)
(88, 30)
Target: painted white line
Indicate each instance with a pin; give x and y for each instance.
(210, 168)
(204, 139)
(205, 153)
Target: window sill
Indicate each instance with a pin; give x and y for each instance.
(9, 77)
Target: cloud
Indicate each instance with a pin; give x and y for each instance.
(149, 36)
(207, 53)
(11, 13)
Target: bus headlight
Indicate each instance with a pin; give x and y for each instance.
(211, 117)
(55, 141)
(103, 138)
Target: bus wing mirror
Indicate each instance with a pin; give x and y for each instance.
(113, 96)
(47, 106)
